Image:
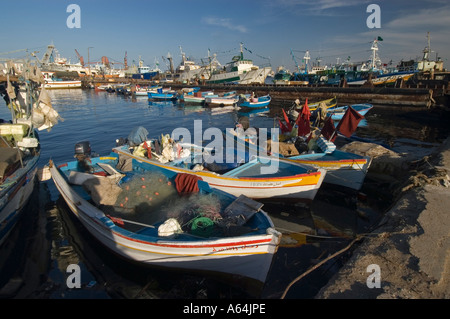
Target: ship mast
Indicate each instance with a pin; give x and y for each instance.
(307, 57)
(374, 49)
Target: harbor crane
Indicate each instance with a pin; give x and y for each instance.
(80, 57)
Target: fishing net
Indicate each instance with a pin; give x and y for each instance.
(152, 199)
(197, 214)
(144, 193)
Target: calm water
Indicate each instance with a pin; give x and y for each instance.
(48, 239)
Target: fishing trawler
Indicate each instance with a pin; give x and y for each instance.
(241, 71)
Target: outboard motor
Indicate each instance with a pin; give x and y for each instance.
(83, 148)
(83, 155)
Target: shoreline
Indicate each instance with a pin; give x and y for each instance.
(410, 246)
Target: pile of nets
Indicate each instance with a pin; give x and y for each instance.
(197, 214)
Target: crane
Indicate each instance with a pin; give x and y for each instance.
(295, 61)
(80, 57)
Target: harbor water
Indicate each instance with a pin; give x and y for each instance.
(35, 259)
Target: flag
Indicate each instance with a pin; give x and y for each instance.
(349, 122)
(380, 39)
(303, 123)
(283, 127)
(328, 130)
(288, 123)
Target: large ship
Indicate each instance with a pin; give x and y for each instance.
(53, 62)
(241, 71)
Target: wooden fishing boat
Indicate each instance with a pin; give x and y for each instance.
(337, 113)
(188, 225)
(262, 101)
(259, 177)
(343, 168)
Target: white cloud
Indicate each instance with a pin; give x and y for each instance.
(225, 23)
(317, 7)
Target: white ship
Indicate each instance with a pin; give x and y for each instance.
(241, 71)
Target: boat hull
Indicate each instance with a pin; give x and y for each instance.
(384, 79)
(62, 84)
(221, 101)
(14, 198)
(162, 96)
(262, 102)
(253, 76)
(343, 169)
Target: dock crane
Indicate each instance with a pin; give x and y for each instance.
(80, 57)
(295, 61)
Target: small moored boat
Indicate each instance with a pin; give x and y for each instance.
(162, 95)
(20, 147)
(262, 101)
(158, 217)
(343, 168)
(258, 177)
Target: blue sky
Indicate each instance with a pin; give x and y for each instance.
(329, 29)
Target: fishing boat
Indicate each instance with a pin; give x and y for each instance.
(20, 146)
(337, 113)
(258, 177)
(144, 90)
(342, 168)
(256, 102)
(241, 71)
(52, 82)
(162, 95)
(196, 97)
(225, 100)
(162, 218)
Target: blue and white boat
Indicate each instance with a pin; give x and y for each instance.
(161, 95)
(173, 221)
(343, 169)
(252, 102)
